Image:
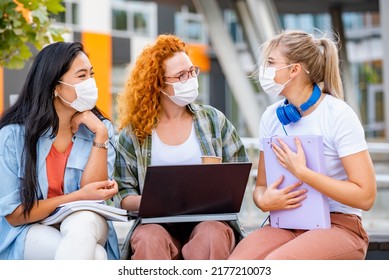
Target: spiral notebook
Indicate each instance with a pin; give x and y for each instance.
(314, 212)
(110, 213)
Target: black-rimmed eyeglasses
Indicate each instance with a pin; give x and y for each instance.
(185, 74)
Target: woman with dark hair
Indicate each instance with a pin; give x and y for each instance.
(54, 149)
(161, 125)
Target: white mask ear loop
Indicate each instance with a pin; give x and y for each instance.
(66, 84)
(67, 102)
(164, 93)
(174, 93)
(293, 77)
(56, 94)
(288, 81)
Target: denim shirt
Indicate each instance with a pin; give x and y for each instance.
(12, 238)
(216, 136)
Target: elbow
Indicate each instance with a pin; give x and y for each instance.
(261, 205)
(368, 202)
(16, 218)
(13, 221)
(367, 207)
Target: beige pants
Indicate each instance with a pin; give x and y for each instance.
(210, 240)
(345, 240)
(81, 236)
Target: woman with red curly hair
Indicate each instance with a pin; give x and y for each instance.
(160, 125)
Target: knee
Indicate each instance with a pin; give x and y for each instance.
(100, 253)
(214, 229)
(84, 222)
(149, 235)
(210, 240)
(153, 242)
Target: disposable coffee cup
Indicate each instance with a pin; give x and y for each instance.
(210, 159)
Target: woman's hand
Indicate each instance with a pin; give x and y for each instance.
(93, 123)
(101, 190)
(294, 162)
(272, 198)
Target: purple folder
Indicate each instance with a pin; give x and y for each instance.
(314, 211)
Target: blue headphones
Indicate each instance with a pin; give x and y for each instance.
(288, 113)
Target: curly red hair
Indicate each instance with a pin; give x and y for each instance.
(139, 104)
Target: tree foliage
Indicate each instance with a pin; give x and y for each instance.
(25, 24)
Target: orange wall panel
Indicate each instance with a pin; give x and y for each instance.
(199, 56)
(99, 49)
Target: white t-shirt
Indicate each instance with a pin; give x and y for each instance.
(186, 153)
(342, 133)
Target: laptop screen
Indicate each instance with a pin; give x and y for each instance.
(194, 189)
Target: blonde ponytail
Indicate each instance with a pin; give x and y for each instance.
(332, 80)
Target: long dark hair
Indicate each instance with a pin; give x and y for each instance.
(35, 110)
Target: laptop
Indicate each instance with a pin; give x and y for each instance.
(193, 193)
(314, 212)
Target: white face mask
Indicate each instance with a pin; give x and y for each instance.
(266, 79)
(87, 94)
(184, 93)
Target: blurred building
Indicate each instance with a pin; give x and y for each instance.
(114, 31)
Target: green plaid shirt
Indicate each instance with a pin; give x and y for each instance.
(217, 137)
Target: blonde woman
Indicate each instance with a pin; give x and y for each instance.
(294, 64)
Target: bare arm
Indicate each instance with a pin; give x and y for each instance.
(96, 168)
(131, 202)
(101, 190)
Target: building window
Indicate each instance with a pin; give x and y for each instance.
(71, 14)
(190, 26)
(119, 20)
(233, 26)
(307, 22)
(134, 18)
(140, 23)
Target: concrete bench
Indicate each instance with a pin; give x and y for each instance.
(378, 247)
(382, 180)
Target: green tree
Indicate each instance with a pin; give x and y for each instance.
(25, 24)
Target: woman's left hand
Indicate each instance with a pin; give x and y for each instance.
(294, 162)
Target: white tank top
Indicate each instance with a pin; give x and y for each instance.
(186, 153)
